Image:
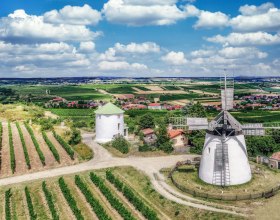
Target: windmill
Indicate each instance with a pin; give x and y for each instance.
(224, 160)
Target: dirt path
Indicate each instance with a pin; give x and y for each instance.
(33, 155)
(64, 157)
(6, 165)
(21, 166)
(50, 160)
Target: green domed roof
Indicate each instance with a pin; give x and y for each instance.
(109, 109)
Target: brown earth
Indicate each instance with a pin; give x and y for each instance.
(6, 165)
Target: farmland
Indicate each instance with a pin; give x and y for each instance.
(93, 194)
(26, 150)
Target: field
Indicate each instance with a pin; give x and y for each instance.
(257, 116)
(93, 194)
(26, 150)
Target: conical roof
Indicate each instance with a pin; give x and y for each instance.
(109, 109)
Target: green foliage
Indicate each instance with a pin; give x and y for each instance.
(70, 199)
(194, 110)
(137, 202)
(114, 201)
(144, 148)
(31, 210)
(276, 135)
(170, 97)
(50, 201)
(46, 123)
(121, 144)
(66, 146)
(8, 195)
(163, 140)
(1, 137)
(36, 144)
(146, 121)
(261, 145)
(196, 139)
(12, 149)
(94, 203)
(75, 137)
(51, 147)
(26, 155)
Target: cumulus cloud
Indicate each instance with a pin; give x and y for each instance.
(257, 18)
(140, 13)
(175, 58)
(202, 53)
(120, 65)
(242, 52)
(142, 48)
(243, 39)
(211, 19)
(74, 15)
(24, 28)
(87, 46)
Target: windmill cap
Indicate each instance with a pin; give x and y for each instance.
(109, 109)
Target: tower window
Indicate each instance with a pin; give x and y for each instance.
(119, 126)
(209, 149)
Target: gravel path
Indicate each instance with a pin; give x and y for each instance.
(103, 159)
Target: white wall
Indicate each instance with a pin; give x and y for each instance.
(239, 167)
(106, 126)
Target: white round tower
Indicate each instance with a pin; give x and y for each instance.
(109, 122)
(224, 160)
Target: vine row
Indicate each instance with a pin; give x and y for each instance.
(30, 206)
(26, 156)
(8, 195)
(12, 149)
(50, 202)
(51, 147)
(66, 146)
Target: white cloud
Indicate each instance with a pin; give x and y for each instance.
(211, 19)
(87, 46)
(240, 39)
(146, 47)
(139, 13)
(242, 52)
(175, 58)
(202, 53)
(120, 65)
(257, 18)
(73, 15)
(21, 27)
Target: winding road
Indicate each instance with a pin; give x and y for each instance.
(151, 166)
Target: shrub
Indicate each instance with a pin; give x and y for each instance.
(115, 203)
(36, 144)
(66, 146)
(137, 202)
(8, 195)
(146, 121)
(31, 211)
(121, 144)
(144, 148)
(70, 199)
(50, 202)
(26, 155)
(75, 137)
(94, 203)
(12, 150)
(51, 147)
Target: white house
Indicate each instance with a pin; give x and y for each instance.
(155, 106)
(109, 122)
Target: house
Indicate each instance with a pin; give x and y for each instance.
(179, 139)
(273, 162)
(149, 136)
(154, 106)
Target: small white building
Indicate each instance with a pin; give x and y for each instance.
(109, 122)
(155, 106)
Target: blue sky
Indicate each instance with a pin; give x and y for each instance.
(139, 38)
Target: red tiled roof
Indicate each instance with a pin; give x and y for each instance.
(174, 133)
(276, 156)
(154, 104)
(148, 131)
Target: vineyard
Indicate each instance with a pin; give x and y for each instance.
(83, 196)
(24, 149)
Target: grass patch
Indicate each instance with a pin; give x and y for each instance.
(84, 152)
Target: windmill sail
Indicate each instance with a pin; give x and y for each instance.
(227, 98)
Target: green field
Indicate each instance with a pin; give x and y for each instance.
(257, 116)
(172, 97)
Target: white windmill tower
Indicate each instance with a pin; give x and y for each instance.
(224, 158)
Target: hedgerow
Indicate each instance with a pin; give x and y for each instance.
(26, 156)
(31, 210)
(50, 202)
(51, 147)
(36, 144)
(137, 202)
(12, 149)
(66, 146)
(8, 195)
(121, 144)
(94, 203)
(115, 203)
(70, 199)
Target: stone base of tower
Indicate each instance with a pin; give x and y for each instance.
(236, 169)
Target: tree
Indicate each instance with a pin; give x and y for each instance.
(258, 145)
(276, 135)
(75, 137)
(121, 144)
(196, 139)
(194, 110)
(163, 140)
(146, 121)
